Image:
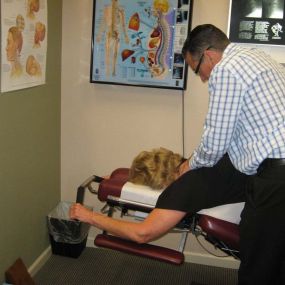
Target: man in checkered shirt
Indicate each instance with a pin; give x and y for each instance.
(241, 156)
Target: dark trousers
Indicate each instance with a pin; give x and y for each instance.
(262, 228)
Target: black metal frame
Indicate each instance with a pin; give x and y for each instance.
(96, 51)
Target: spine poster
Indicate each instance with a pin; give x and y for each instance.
(139, 42)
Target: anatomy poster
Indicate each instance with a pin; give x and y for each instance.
(257, 21)
(23, 43)
(139, 42)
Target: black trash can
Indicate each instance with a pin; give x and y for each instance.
(67, 237)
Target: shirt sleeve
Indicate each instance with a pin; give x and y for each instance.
(226, 95)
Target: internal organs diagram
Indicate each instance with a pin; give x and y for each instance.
(150, 39)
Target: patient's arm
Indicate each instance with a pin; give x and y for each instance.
(158, 222)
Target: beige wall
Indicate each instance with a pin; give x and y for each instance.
(104, 126)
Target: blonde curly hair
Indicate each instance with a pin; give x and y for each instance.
(156, 168)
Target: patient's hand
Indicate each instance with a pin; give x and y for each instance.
(79, 212)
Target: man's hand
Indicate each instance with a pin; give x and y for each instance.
(184, 167)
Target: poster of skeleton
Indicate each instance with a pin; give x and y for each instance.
(23, 43)
(139, 42)
(257, 21)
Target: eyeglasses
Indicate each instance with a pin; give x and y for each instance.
(200, 61)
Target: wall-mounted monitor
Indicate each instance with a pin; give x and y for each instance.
(139, 43)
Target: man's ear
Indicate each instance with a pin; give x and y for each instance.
(213, 56)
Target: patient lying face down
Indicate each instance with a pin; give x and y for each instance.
(156, 168)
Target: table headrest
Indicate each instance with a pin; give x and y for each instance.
(140, 193)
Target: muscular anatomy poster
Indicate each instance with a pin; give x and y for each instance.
(257, 21)
(23, 43)
(139, 42)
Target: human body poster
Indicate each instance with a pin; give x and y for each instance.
(139, 42)
(23, 43)
(257, 22)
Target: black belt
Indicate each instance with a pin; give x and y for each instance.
(272, 162)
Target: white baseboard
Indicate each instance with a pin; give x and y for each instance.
(211, 260)
(40, 261)
(90, 241)
(198, 258)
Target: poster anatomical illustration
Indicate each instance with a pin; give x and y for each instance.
(139, 42)
(23, 43)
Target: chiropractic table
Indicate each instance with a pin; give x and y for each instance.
(218, 225)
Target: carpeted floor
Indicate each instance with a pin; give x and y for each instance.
(108, 267)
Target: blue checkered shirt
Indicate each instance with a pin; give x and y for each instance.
(246, 116)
